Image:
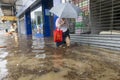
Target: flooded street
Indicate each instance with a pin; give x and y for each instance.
(29, 58)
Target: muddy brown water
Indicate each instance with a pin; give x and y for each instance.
(38, 59)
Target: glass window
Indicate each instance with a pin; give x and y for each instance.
(37, 20)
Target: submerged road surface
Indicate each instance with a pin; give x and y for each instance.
(26, 58)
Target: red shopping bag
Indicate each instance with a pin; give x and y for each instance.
(57, 34)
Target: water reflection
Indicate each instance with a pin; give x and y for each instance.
(38, 43)
(41, 56)
(25, 43)
(3, 69)
(3, 63)
(16, 40)
(58, 58)
(3, 55)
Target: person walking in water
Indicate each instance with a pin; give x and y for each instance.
(62, 24)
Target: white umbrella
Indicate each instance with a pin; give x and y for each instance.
(66, 10)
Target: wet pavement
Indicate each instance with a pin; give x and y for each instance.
(26, 58)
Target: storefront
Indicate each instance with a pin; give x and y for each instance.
(105, 16)
(81, 24)
(24, 17)
(35, 13)
(103, 24)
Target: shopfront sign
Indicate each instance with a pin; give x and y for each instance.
(8, 18)
(26, 5)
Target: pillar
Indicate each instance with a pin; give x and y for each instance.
(46, 6)
(28, 26)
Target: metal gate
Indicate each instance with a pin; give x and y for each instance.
(105, 41)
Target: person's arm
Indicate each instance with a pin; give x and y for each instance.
(65, 22)
(59, 23)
